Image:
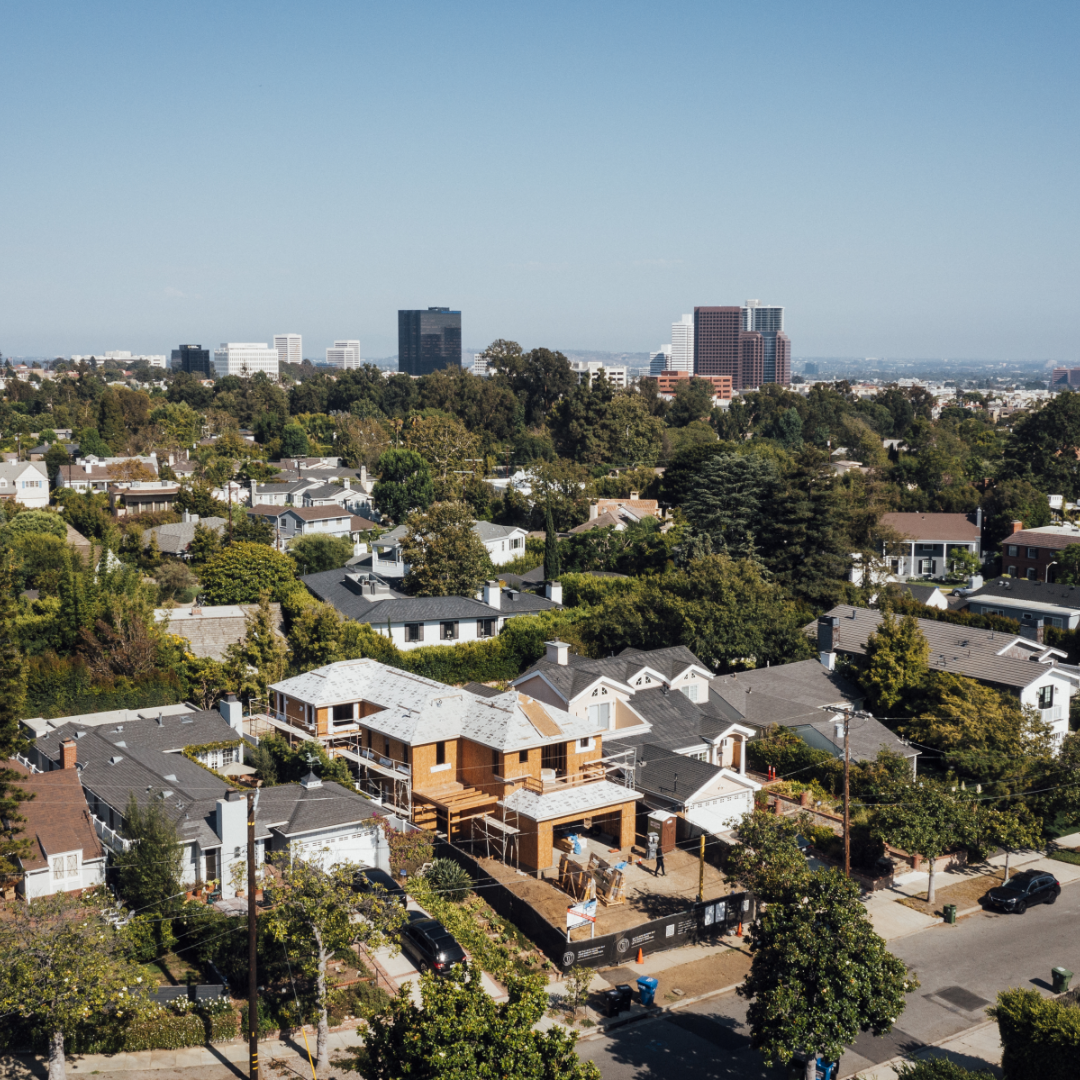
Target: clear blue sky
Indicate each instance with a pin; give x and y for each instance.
(902, 177)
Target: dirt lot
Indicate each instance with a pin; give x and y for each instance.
(647, 896)
(704, 976)
(965, 894)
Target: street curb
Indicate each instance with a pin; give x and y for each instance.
(653, 1013)
(866, 1074)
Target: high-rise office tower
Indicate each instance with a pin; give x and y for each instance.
(344, 354)
(290, 348)
(193, 359)
(428, 340)
(682, 344)
(660, 360)
(747, 343)
(245, 358)
(769, 323)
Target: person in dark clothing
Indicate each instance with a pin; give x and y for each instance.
(660, 864)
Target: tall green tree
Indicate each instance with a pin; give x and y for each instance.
(459, 1032)
(314, 637)
(404, 485)
(1040, 1038)
(262, 650)
(244, 571)
(61, 967)
(923, 818)
(1009, 501)
(768, 859)
(12, 705)
(729, 500)
(1011, 828)
(552, 566)
(319, 551)
(820, 975)
(148, 872)
(897, 657)
(445, 556)
(317, 913)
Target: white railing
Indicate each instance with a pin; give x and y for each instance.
(27, 764)
(109, 837)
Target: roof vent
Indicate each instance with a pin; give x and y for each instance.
(115, 759)
(171, 777)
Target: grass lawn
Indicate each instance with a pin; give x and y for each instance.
(964, 894)
(173, 970)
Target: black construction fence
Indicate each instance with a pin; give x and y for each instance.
(700, 921)
(194, 992)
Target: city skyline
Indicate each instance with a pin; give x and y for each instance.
(912, 199)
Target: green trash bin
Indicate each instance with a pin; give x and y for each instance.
(1061, 979)
(950, 913)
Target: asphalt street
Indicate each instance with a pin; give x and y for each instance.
(960, 968)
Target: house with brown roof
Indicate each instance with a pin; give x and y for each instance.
(630, 511)
(925, 542)
(66, 854)
(290, 522)
(1033, 553)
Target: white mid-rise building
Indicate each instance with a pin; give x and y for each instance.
(344, 354)
(245, 358)
(660, 361)
(682, 345)
(124, 357)
(615, 373)
(480, 365)
(290, 348)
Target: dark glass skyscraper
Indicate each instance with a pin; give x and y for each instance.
(428, 340)
(193, 359)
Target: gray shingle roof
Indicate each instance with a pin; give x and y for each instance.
(867, 737)
(211, 630)
(675, 777)
(788, 694)
(419, 711)
(676, 722)
(292, 809)
(176, 538)
(986, 655)
(1020, 589)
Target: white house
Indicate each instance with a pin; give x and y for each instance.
(289, 522)
(25, 482)
(503, 543)
(167, 756)
(65, 854)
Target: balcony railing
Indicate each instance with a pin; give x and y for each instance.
(589, 774)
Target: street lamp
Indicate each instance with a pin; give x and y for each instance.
(1046, 578)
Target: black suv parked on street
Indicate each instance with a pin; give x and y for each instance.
(1024, 889)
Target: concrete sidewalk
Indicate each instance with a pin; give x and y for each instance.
(977, 1048)
(893, 919)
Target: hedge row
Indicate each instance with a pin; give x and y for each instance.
(1040, 1037)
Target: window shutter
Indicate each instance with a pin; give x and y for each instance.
(420, 632)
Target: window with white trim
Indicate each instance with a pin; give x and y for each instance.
(690, 691)
(599, 714)
(58, 868)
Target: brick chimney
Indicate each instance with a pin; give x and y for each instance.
(1017, 526)
(68, 754)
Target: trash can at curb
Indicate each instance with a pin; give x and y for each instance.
(647, 989)
(950, 913)
(1061, 979)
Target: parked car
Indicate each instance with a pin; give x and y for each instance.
(366, 880)
(430, 944)
(1024, 889)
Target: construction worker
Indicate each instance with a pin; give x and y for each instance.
(660, 863)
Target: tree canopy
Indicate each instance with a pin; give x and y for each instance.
(445, 556)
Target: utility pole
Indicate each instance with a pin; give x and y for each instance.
(847, 794)
(701, 870)
(253, 975)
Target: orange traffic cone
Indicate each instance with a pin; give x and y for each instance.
(640, 956)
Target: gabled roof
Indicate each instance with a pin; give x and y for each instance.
(867, 737)
(679, 778)
(488, 531)
(986, 655)
(1052, 537)
(292, 809)
(419, 711)
(608, 519)
(57, 818)
(211, 630)
(176, 538)
(942, 528)
(922, 593)
(315, 513)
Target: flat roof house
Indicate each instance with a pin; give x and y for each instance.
(1029, 602)
(506, 766)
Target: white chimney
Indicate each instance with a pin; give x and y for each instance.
(493, 595)
(839, 731)
(557, 652)
(233, 712)
(254, 485)
(553, 591)
(594, 511)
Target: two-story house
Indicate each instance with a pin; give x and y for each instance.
(927, 540)
(503, 543)
(94, 474)
(413, 621)
(25, 482)
(1028, 602)
(289, 522)
(1034, 672)
(507, 766)
(1033, 553)
(166, 756)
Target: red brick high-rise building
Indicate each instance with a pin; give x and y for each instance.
(745, 343)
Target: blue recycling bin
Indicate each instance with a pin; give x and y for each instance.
(647, 989)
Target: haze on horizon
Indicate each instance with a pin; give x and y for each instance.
(901, 178)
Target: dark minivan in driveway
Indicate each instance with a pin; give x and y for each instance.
(430, 944)
(366, 879)
(1024, 889)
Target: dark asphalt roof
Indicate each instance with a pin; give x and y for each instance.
(483, 691)
(671, 775)
(292, 809)
(867, 737)
(1011, 588)
(675, 720)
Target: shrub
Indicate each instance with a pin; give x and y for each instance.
(1040, 1037)
(449, 879)
(408, 850)
(1067, 856)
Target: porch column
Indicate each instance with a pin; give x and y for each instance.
(742, 758)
